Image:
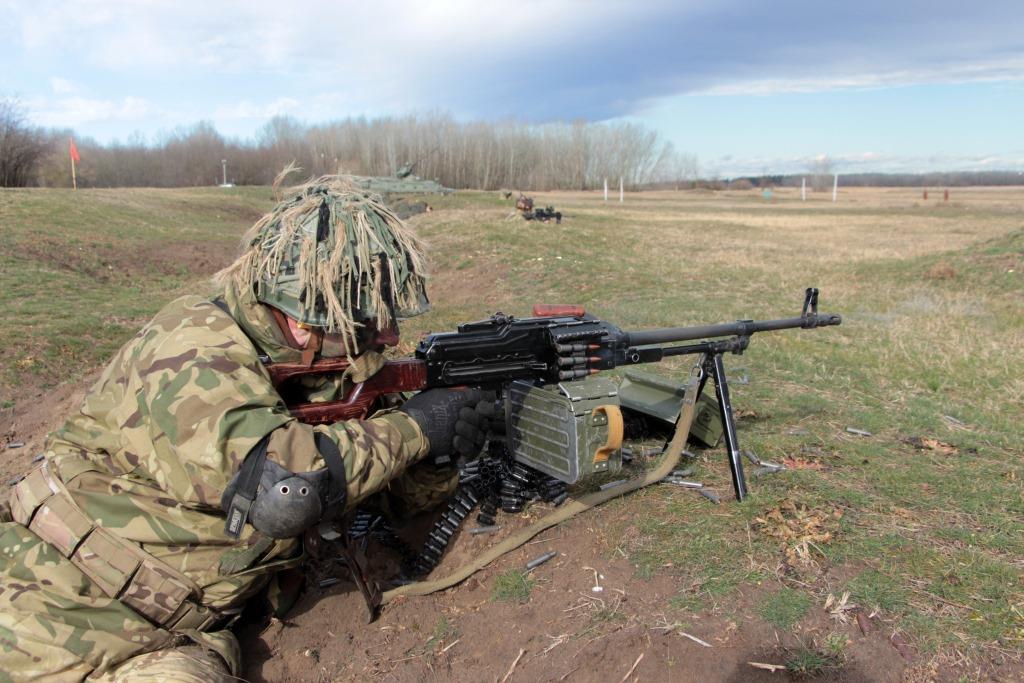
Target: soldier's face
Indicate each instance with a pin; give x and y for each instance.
(374, 338)
(300, 334)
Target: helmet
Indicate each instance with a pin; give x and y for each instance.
(333, 257)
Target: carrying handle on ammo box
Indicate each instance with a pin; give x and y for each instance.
(615, 432)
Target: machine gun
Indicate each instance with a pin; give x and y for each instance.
(559, 419)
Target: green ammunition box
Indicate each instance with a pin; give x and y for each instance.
(662, 399)
(567, 430)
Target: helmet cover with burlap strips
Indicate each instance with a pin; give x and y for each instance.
(333, 257)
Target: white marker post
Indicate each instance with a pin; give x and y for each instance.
(835, 188)
(803, 189)
(606, 189)
(622, 197)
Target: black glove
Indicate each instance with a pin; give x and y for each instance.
(437, 412)
(475, 423)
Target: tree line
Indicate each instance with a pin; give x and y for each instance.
(480, 155)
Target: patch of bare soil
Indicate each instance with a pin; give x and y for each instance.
(36, 412)
(567, 631)
(106, 263)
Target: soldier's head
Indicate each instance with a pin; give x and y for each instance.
(333, 263)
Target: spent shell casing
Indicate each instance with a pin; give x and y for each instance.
(538, 561)
(484, 529)
(710, 495)
(612, 484)
(858, 432)
(759, 471)
(682, 473)
(330, 581)
(684, 483)
(749, 455)
(560, 498)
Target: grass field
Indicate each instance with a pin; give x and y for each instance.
(922, 522)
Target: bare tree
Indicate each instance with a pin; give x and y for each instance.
(480, 155)
(821, 173)
(22, 147)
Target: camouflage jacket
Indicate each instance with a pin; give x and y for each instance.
(170, 421)
(126, 508)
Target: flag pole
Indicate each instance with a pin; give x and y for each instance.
(74, 179)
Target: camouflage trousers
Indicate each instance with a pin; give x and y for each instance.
(186, 664)
(57, 625)
(421, 487)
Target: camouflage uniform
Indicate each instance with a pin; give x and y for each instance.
(135, 559)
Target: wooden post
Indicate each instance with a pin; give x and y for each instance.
(621, 194)
(803, 189)
(74, 177)
(606, 189)
(835, 188)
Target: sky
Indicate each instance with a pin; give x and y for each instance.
(747, 87)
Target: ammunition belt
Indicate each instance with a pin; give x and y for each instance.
(122, 570)
(497, 481)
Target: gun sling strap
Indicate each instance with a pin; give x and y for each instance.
(571, 508)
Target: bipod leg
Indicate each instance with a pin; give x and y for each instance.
(732, 445)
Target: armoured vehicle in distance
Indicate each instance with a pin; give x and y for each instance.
(402, 182)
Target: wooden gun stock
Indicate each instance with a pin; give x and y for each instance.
(404, 374)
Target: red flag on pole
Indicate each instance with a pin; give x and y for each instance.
(74, 152)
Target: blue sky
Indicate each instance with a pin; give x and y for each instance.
(747, 87)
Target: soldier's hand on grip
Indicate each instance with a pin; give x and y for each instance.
(475, 423)
(437, 413)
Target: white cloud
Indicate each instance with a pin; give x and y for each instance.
(75, 111)
(249, 110)
(262, 33)
(62, 86)
(1011, 69)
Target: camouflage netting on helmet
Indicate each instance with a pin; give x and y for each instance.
(333, 256)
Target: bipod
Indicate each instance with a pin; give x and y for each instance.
(713, 367)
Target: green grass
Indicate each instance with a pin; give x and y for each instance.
(933, 307)
(784, 608)
(810, 662)
(444, 631)
(819, 659)
(81, 272)
(512, 586)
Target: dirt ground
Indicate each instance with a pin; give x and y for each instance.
(566, 631)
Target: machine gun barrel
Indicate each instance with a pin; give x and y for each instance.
(741, 328)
